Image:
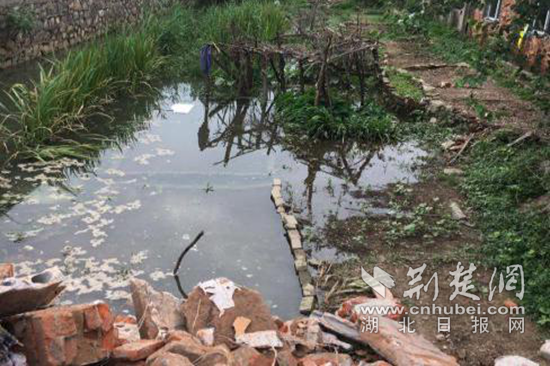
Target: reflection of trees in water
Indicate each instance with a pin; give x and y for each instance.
(246, 125)
(345, 160)
(243, 125)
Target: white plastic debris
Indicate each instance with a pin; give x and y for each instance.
(222, 291)
(263, 339)
(183, 108)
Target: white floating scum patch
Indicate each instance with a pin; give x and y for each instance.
(149, 138)
(164, 152)
(116, 172)
(88, 275)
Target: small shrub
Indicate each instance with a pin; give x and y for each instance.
(340, 121)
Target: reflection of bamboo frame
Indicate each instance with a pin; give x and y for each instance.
(241, 123)
(245, 124)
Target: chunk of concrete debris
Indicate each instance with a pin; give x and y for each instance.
(304, 277)
(456, 211)
(310, 330)
(138, 350)
(262, 339)
(190, 348)
(196, 353)
(157, 312)
(514, 361)
(453, 171)
(217, 356)
(66, 335)
(206, 336)
(307, 305)
(170, 359)
(19, 295)
(127, 329)
(300, 264)
(277, 196)
(6, 270)
(326, 359)
(308, 290)
(545, 350)
(249, 356)
(286, 358)
(331, 341)
(295, 240)
(290, 222)
(201, 312)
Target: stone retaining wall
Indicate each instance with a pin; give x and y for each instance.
(60, 24)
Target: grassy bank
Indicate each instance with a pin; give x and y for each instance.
(128, 62)
(494, 58)
(503, 183)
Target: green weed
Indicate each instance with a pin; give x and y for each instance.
(339, 121)
(499, 181)
(405, 85)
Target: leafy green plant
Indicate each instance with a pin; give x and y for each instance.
(339, 121)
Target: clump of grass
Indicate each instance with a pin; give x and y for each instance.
(252, 20)
(73, 89)
(339, 121)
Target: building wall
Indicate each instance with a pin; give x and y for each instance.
(60, 24)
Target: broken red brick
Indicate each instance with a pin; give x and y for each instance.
(66, 335)
(136, 351)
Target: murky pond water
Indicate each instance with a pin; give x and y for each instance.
(141, 203)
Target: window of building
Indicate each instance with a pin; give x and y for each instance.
(492, 9)
(542, 22)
